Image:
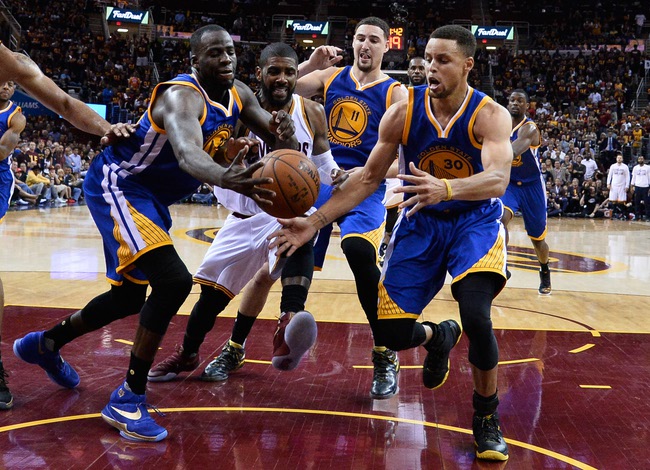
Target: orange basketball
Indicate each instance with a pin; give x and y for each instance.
(295, 182)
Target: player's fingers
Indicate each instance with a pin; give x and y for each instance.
(262, 201)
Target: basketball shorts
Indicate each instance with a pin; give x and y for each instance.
(238, 251)
(367, 221)
(6, 191)
(391, 198)
(427, 245)
(130, 220)
(530, 200)
(617, 193)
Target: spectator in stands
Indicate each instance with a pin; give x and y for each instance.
(72, 180)
(39, 184)
(560, 173)
(72, 159)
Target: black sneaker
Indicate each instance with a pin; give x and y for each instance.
(230, 359)
(435, 369)
(384, 379)
(488, 438)
(545, 282)
(6, 400)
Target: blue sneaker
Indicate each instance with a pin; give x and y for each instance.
(128, 412)
(31, 349)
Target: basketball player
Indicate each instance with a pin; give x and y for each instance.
(526, 191)
(356, 97)
(618, 184)
(17, 68)
(128, 189)
(456, 142)
(240, 251)
(417, 72)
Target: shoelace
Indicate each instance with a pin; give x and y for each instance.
(149, 406)
(384, 364)
(490, 428)
(230, 359)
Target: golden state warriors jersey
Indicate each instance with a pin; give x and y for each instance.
(525, 167)
(6, 115)
(236, 202)
(354, 112)
(147, 157)
(448, 153)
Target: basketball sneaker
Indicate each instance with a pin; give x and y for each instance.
(382, 254)
(172, 366)
(128, 412)
(544, 282)
(230, 359)
(488, 438)
(295, 334)
(31, 348)
(385, 374)
(436, 365)
(6, 400)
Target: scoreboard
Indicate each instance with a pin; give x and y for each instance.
(397, 39)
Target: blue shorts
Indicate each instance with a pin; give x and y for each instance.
(367, 221)
(129, 218)
(530, 200)
(6, 190)
(427, 245)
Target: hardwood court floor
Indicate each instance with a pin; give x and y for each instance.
(574, 366)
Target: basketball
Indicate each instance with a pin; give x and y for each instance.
(295, 182)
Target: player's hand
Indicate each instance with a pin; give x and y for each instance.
(324, 57)
(282, 124)
(293, 234)
(240, 179)
(339, 176)
(233, 146)
(427, 190)
(118, 132)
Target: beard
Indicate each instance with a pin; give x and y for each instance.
(270, 97)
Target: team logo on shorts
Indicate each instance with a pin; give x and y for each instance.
(348, 121)
(215, 144)
(445, 163)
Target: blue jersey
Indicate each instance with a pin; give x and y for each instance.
(354, 112)
(449, 153)
(6, 115)
(147, 158)
(525, 167)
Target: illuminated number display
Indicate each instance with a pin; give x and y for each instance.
(396, 39)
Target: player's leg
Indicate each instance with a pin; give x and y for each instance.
(533, 207)
(6, 399)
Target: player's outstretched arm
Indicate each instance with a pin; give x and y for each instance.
(178, 110)
(10, 138)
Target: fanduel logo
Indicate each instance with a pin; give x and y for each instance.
(499, 33)
(127, 15)
(312, 28)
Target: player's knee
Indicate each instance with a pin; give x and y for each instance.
(396, 334)
(128, 298)
(359, 252)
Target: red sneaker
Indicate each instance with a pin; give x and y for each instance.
(296, 333)
(172, 366)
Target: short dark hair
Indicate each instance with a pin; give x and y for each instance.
(522, 92)
(374, 21)
(197, 36)
(463, 36)
(277, 49)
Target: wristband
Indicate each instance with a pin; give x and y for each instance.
(449, 193)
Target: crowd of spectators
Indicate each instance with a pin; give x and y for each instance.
(579, 69)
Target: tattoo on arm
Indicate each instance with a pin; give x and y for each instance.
(322, 219)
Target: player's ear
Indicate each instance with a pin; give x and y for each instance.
(193, 60)
(258, 73)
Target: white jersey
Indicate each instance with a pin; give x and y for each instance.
(641, 176)
(241, 204)
(619, 175)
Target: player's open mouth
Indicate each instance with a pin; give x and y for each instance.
(364, 56)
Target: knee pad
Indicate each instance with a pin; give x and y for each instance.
(170, 282)
(359, 252)
(399, 334)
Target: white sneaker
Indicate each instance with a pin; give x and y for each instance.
(61, 200)
(21, 202)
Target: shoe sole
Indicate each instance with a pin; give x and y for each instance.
(162, 378)
(384, 397)
(460, 335)
(211, 378)
(491, 455)
(300, 335)
(8, 405)
(544, 293)
(16, 348)
(130, 435)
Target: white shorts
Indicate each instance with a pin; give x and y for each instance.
(617, 193)
(392, 199)
(238, 251)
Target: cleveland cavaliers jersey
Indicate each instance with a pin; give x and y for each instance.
(147, 157)
(236, 202)
(354, 112)
(450, 153)
(525, 167)
(6, 115)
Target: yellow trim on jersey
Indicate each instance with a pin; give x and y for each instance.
(360, 87)
(303, 111)
(214, 285)
(470, 126)
(521, 124)
(7, 107)
(409, 116)
(16, 111)
(374, 236)
(329, 82)
(541, 237)
(389, 94)
(142, 282)
(460, 112)
(237, 98)
(432, 118)
(388, 309)
(494, 260)
(204, 114)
